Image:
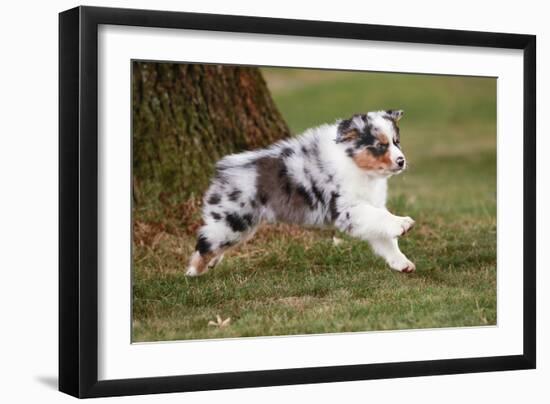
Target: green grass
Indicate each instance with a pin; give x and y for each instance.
(290, 280)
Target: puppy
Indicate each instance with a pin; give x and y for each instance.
(332, 175)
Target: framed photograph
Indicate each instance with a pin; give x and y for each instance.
(251, 201)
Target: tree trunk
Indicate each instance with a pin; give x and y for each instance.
(188, 116)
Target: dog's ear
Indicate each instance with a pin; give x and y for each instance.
(350, 129)
(347, 135)
(395, 114)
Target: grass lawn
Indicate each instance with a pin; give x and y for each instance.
(291, 280)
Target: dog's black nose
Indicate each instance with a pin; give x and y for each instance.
(400, 161)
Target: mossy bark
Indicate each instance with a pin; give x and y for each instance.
(186, 117)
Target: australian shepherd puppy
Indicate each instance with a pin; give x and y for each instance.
(332, 175)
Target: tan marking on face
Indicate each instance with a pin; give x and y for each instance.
(366, 160)
(385, 159)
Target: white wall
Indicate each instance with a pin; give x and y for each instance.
(28, 208)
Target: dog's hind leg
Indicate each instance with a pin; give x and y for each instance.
(215, 238)
(205, 256)
(215, 261)
(200, 264)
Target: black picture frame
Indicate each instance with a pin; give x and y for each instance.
(78, 201)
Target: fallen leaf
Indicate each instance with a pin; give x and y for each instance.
(220, 323)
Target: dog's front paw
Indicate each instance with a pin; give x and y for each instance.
(402, 264)
(402, 225)
(406, 225)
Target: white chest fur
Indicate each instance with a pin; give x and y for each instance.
(364, 188)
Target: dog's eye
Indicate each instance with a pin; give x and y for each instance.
(382, 146)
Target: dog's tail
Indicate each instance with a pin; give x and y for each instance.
(240, 159)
